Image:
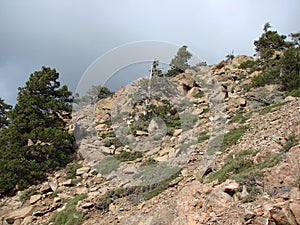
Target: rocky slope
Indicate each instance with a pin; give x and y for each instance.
(212, 152)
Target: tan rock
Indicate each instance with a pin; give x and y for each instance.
(177, 132)
(231, 188)
(56, 200)
(67, 183)
(27, 220)
(87, 205)
(45, 188)
(82, 190)
(295, 208)
(35, 198)
(162, 158)
(112, 208)
(19, 214)
(141, 133)
(53, 184)
(83, 170)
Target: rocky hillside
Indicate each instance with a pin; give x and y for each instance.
(201, 148)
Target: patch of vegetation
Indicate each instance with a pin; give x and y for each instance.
(240, 118)
(251, 65)
(107, 165)
(128, 156)
(203, 137)
(232, 137)
(71, 170)
(206, 110)
(156, 174)
(166, 112)
(200, 94)
(188, 120)
(294, 93)
(70, 216)
(114, 141)
(150, 162)
(291, 141)
(240, 167)
(107, 135)
(157, 189)
(269, 108)
(27, 194)
(144, 192)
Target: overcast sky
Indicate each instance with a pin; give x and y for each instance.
(70, 35)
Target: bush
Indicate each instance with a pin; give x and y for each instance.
(232, 137)
(27, 194)
(128, 156)
(203, 137)
(71, 170)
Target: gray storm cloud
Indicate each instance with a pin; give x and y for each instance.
(70, 35)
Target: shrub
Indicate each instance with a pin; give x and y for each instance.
(203, 137)
(27, 194)
(71, 170)
(232, 137)
(128, 156)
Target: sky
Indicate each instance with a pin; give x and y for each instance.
(71, 35)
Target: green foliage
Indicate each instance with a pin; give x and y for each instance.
(180, 62)
(155, 70)
(71, 169)
(289, 66)
(166, 112)
(27, 194)
(36, 140)
(128, 156)
(294, 93)
(279, 60)
(109, 134)
(107, 165)
(230, 57)
(240, 118)
(268, 43)
(94, 94)
(70, 216)
(269, 108)
(200, 94)
(232, 137)
(249, 64)
(203, 137)
(240, 167)
(146, 191)
(150, 162)
(291, 141)
(4, 108)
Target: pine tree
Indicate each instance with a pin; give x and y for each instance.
(180, 62)
(36, 140)
(3, 113)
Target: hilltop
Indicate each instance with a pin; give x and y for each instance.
(205, 148)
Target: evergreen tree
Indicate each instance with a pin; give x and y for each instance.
(93, 95)
(279, 60)
(180, 62)
(155, 70)
(3, 113)
(36, 140)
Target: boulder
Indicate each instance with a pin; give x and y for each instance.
(83, 170)
(295, 208)
(35, 198)
(19, 214)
